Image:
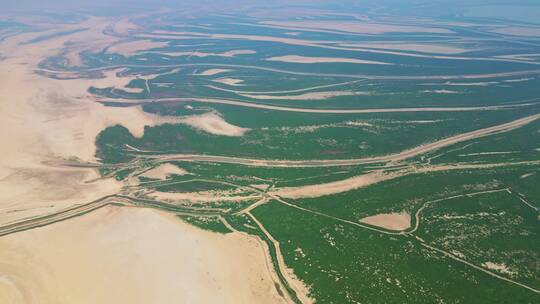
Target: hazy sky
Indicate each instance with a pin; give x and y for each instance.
(515, 10)
(20, 4)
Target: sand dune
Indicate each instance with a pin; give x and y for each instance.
(213, 124)
(164, 171)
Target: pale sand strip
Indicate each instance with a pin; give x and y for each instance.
(232, 53)
(354, 27)
(288, 91)
(306, 96)
(229, 81)
(414, 47)
(305, 59)
(356, 182)
(239, 103)
(293, 281)
(203, 196)
(318, 190)
(519, 31)
(211, 72)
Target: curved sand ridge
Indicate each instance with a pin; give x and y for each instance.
(360, 181)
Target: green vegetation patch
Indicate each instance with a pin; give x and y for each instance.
(211, 223)
(343, 264)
